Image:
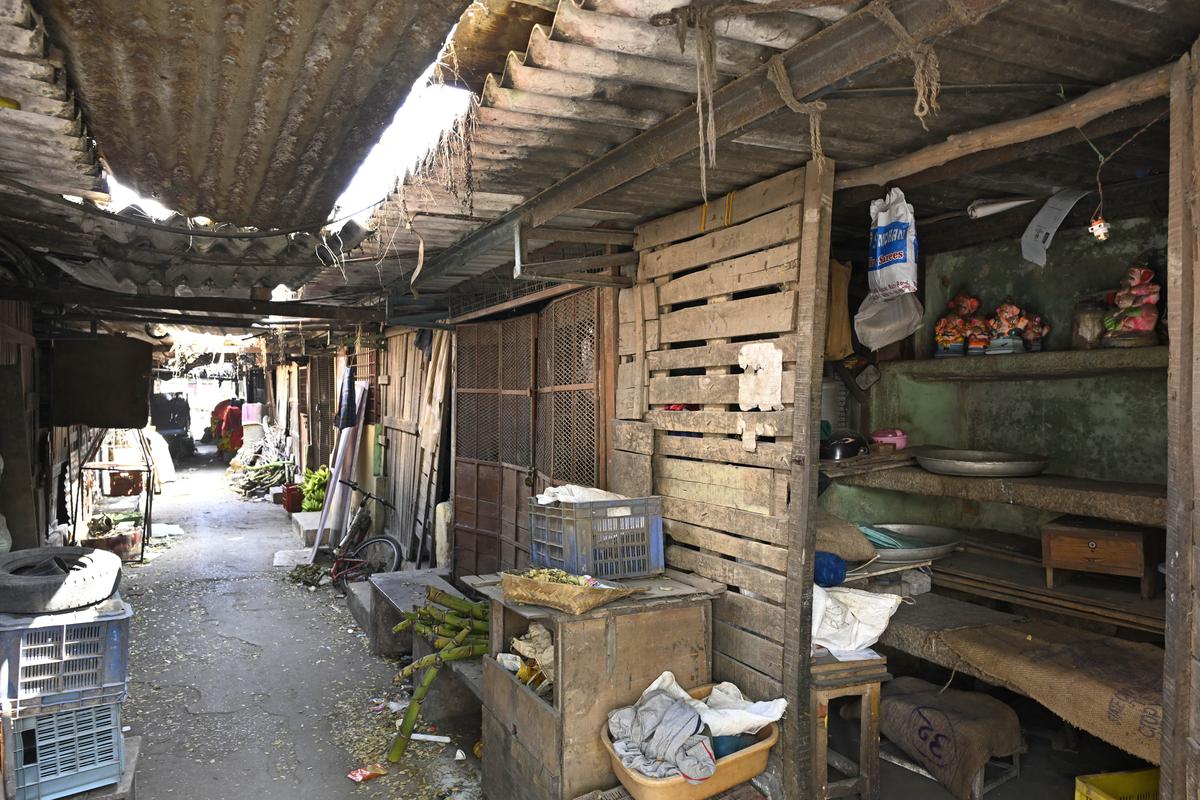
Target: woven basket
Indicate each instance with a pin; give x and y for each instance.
(562, 596)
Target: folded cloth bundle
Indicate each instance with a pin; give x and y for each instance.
(660, 736)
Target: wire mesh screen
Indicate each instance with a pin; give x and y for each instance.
(478, 351)
(567, 450)
(516, 353)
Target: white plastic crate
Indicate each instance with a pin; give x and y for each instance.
(59, 661)
(63, 753)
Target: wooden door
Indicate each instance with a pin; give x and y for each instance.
(411, 387)
(493, 444)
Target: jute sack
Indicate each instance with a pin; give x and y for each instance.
(562, 596)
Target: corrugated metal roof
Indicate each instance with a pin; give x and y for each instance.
(601, 75)
(250, 113)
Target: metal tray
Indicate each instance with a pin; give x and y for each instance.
(981, 463)
(941, 542)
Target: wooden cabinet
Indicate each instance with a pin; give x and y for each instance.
(1092, 545)
(543, 749)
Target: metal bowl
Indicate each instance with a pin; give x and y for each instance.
(941, 542)
(981, 463)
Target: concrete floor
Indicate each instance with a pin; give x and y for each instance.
(246, 686)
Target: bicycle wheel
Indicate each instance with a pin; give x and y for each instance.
(380, 554)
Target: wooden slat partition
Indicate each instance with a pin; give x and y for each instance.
(710, 285)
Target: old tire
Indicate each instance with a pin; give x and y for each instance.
(53, 579)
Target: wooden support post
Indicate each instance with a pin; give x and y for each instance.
(1180, 772)
(798, 733)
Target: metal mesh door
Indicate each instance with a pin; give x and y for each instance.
(567, 449)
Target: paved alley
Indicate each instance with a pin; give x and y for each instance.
(244, 685)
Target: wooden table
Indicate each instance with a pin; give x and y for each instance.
(550, 749)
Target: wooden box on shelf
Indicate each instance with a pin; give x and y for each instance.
(1083, 544)
(550, 749)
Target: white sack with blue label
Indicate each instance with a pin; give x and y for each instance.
(891, 311)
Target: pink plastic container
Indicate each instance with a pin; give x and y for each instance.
(891, 436)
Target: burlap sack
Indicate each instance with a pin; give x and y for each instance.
(562, 596)
(1112, 688)
(836, 535)
(952, 734)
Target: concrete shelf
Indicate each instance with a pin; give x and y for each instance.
(1134, 503)
(1032, 366)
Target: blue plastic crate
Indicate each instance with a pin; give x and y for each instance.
(602, 538)
(66, 752)
(59, 661)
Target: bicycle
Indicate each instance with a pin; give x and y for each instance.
(357, 557)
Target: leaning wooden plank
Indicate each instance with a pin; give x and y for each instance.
(750, 613)
(731, 209)
(742, 549)
(751, 650)
(636, 437)
(777, 265)
(770, 423)
(754, 684)
(747, 488)
(732, 520)
(627, 338)
(707, 389)
(732, 451)
(1114, 97)
(627, 375)
(760, 581)
(629, 474)
(757, 234)
(774, 313)
(714, 355)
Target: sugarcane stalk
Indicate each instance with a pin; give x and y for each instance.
(464, 607)
(443, 642)
(449, 654)
(400, 743)
(449, 618)
(462, 636)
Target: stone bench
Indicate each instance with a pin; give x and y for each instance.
(458, 690)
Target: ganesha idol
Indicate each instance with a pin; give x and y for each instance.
(1015, 330)
(959, 330)
(1134, 310)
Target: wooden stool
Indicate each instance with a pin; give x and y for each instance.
(833, 679)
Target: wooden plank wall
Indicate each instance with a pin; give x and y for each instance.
(709, 284)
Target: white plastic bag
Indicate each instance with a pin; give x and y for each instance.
(879, 321)
(850, 619)
(892, 262)
(726, 712)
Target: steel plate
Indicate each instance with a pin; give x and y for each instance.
(981, 463)
(941, 542)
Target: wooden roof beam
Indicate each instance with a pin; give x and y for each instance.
(1123, 94)
(815, 67)
(215, 305)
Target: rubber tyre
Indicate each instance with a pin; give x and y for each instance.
(93, 577)
(384, 546)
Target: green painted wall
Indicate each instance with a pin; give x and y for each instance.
(1108, 427)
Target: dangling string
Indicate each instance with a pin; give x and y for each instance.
(777, 73)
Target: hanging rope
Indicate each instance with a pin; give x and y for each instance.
(701, 17)
(927, 77)
(777, 73)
